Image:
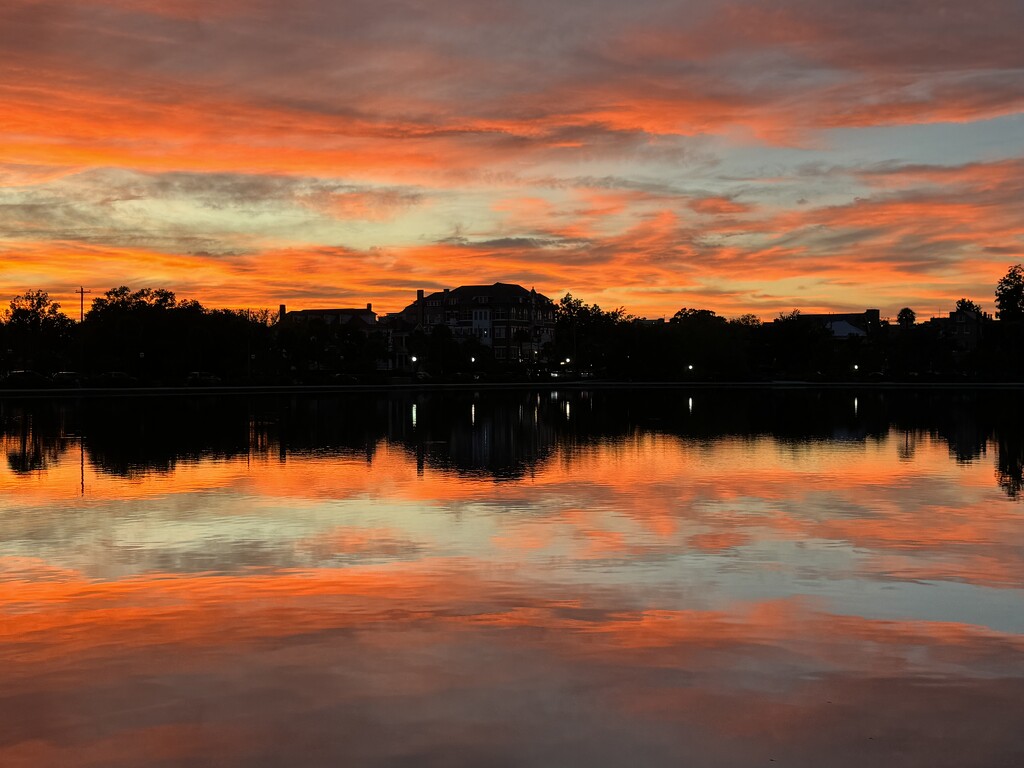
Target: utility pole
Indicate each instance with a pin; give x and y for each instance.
(81, 302)
(81, 355)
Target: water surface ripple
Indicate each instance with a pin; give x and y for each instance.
(552, 578)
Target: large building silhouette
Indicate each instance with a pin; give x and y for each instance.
(514, 322)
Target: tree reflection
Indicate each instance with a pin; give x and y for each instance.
(1010, 463)
(501, 434)
(33, 439)
(29, 454)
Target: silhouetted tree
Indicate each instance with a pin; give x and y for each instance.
(748, 320)
(1010, 294)
(156, 337)
(694, 317)
(35, 311)
(800, 347)
(587, 334)
(966, 305)
(36, 332)
(703, 344)
(906, 317)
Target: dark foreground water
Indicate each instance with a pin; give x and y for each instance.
(650, 578)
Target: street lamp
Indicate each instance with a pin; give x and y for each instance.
(689, 367)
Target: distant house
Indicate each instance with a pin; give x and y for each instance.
(847, 325)
(513, 321)
(964, 328)
(364, 319)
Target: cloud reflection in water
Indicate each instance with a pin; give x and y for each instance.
(611, 590)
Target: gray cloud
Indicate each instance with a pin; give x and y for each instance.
(419, 70)
(127, 208)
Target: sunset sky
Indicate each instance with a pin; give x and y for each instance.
(740, 156)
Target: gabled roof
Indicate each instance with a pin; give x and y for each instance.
(334, 311)
(497, 290)
(844, 329)
(339, 315)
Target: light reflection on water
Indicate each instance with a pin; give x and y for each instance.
(582, 578)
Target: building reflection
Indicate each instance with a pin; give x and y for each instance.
(497, 434)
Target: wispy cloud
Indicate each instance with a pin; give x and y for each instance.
(598, 147)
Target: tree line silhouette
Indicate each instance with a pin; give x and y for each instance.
(149, 336)
(698, 344)
(143, 336)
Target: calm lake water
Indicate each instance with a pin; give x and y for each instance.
(571, 578)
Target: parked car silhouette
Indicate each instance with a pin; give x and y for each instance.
(25, 380)
(67, 379)
(113, 379)
(202, 379)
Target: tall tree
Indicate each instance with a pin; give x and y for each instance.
(1010, 294)
(36, 331)
(907, 317)
(586, 333)
(966, 305)
(35, 310)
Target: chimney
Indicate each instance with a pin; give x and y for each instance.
(369, 307)
(280, 314)
(446, 290)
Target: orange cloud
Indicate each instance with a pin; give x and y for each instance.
(615, 175)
